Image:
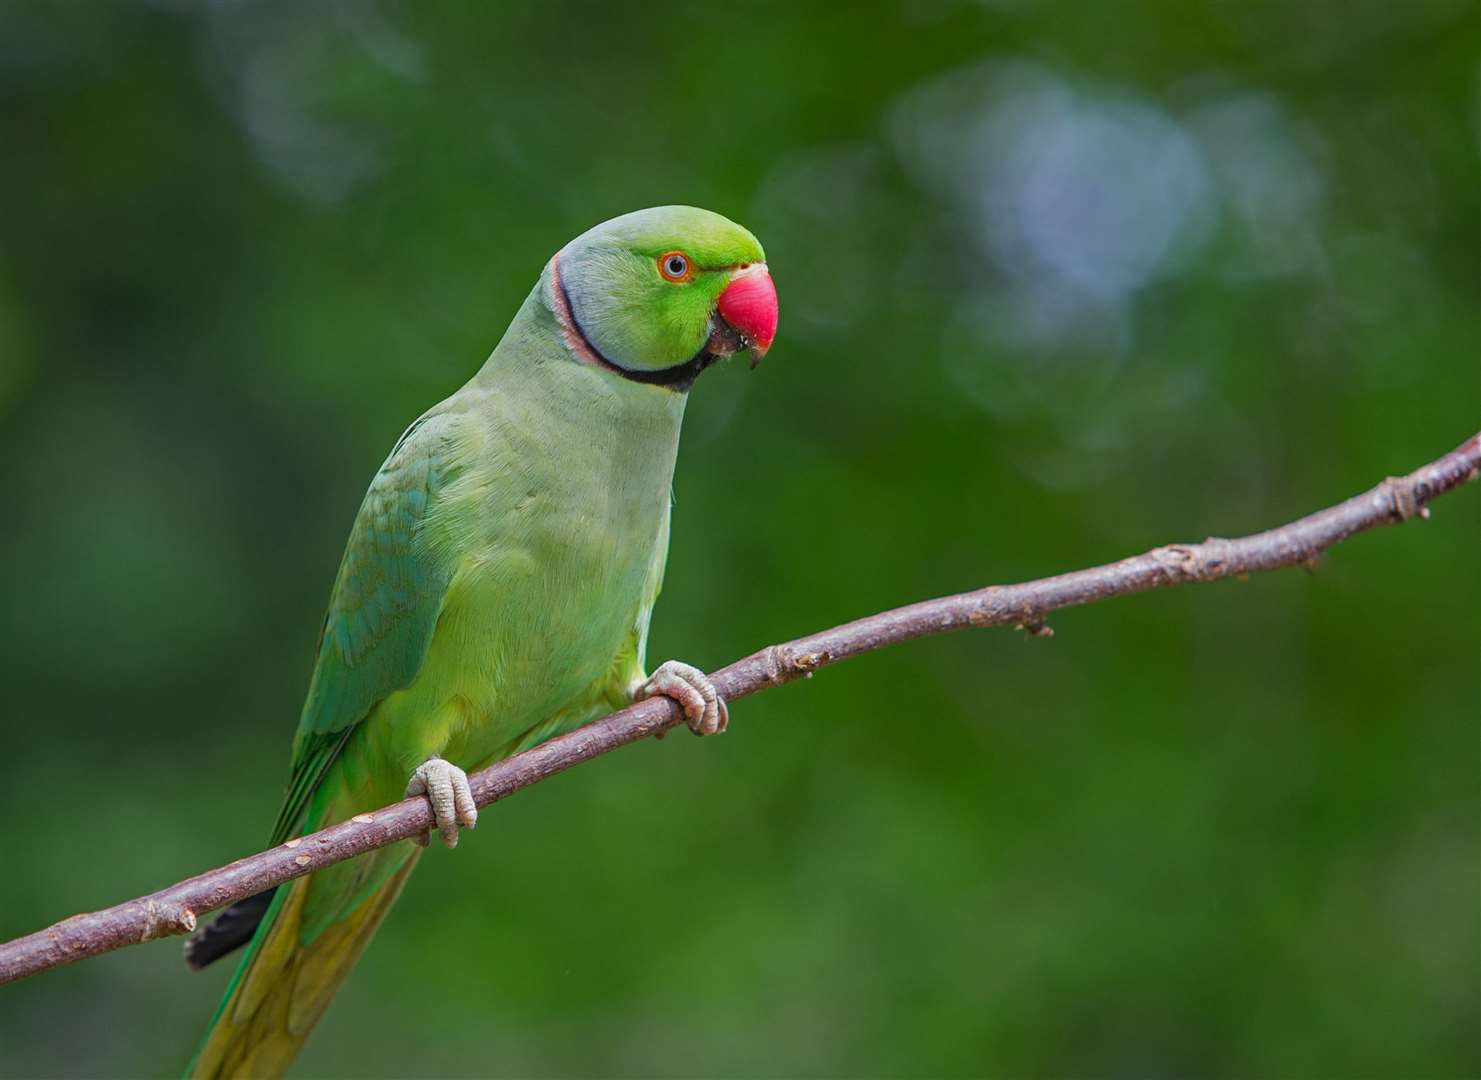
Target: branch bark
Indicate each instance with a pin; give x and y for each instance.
(174, 910)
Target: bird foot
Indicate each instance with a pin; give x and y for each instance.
(446, 788)
(704, 709)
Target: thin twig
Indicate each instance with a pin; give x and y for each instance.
(174, 910)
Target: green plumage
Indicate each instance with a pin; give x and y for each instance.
(495, 590)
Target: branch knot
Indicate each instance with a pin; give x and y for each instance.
(1191, 562)
(163, 918)
(1406, 502)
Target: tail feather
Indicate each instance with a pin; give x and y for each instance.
(284, 985)
(229, 931)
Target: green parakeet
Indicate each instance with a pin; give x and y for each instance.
(495, 591)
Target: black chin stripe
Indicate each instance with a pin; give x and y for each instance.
(679, 378)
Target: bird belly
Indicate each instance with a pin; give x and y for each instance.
(528, 631)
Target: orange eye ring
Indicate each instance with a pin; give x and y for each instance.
(675, 266)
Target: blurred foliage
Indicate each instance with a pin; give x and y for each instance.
(1059, 282)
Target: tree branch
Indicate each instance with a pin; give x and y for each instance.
(174, 910)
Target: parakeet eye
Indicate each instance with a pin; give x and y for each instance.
(674, 266)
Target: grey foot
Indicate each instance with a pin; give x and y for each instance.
(446, 788)
(704, 709)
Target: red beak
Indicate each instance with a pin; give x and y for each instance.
(749, 305)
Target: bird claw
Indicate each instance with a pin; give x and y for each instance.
(704, 708)
(446, 788)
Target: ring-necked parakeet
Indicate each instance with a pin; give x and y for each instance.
(496, 589)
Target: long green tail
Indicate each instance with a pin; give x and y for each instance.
(294, 965)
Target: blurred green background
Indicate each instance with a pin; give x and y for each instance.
(1059, 282)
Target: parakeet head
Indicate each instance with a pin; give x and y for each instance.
(658, 295)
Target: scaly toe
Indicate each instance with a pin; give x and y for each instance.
(446, 788)
(704, 709)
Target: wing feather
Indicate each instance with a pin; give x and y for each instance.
(384, 606)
